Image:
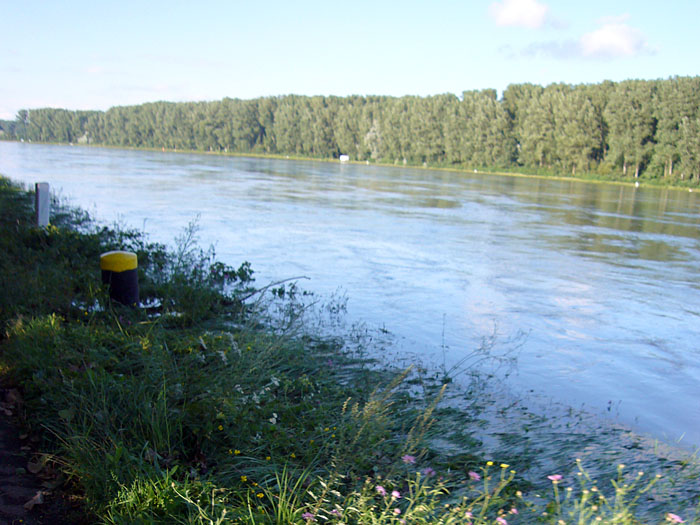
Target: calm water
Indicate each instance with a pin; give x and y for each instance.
(600, 282)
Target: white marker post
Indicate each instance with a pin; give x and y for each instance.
(42, 204)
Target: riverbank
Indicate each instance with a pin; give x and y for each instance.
(590, 177)
(222, 403)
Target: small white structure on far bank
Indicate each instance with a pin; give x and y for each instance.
(345, 158)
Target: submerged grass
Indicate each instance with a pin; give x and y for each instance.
(218, 403)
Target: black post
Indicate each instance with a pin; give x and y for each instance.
(120, 274)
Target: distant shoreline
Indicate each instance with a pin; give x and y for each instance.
(587, 178)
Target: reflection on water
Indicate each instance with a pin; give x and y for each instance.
(603, 279)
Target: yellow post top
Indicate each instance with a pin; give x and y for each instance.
(118, 261)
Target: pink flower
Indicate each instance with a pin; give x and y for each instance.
(381, 490)
(408, 459)
(674, 518)
(397, 511)
(502, 521)
(473, 475)
(554, 477)
(395, 494)
(335, 512)
(468, 515)
(513, 511)
(308, 516)
(428, 472)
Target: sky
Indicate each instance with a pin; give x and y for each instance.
(98, 54)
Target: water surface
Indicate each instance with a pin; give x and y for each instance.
(599, 284)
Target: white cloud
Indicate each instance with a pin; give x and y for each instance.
(519, 13)
(614, 39)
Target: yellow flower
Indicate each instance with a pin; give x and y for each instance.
(311, 442)
(332, 435)
(326, 429)
(489, 463)
(244, 478)
(236, 452)
(259, 494)
(293, 455)
(504, 465)
(230, 451)
(220, 427)
(255, 484)
(267, 458)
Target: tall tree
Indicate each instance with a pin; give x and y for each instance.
(631, 123)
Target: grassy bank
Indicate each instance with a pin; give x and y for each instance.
(221, 402)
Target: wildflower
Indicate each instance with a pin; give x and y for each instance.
(489, 463)
(501, 521)
(381, 490)
(236, 452)
(504, 465)
(220, 427)
(244, 478)
(513, 511)
(335, 512)
(395, 494)
(674, 518)
(397, 511)
(292, 455)
(474, 475)
(555, 478)
(260, 495)
(428, 471)
(273, 419)
(267, 458)
(468, 514)
(230, 451)
(308, 516)
(408, 459)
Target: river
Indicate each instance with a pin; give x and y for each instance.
(597, 286)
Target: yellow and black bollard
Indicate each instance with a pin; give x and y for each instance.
(120, 274)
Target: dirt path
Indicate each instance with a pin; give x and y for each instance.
(26, 498)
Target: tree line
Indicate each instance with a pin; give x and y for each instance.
(634, 128)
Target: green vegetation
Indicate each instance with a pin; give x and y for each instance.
(625, 130)
(217, 403)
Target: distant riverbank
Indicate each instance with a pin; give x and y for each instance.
(590, 177)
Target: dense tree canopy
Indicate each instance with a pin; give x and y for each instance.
(632, 128)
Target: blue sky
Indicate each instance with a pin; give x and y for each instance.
(98, 54)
